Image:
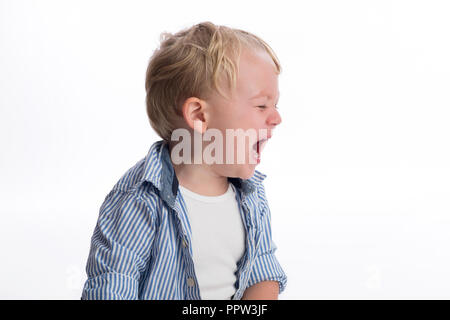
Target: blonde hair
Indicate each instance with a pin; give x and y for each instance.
(192, 63)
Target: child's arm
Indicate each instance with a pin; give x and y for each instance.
(267, 278)
(265, 290)
(120, 248)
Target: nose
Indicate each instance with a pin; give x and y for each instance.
(274, 119)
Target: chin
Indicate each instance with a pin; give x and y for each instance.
(247, 172)
(244, 172)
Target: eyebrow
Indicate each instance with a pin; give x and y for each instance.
(262, 95)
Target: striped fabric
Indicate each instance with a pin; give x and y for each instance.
(141, 246)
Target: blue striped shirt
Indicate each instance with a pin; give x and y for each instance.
(141, 246)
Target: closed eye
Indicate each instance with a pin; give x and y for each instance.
(263, 107)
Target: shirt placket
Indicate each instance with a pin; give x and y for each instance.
(244, 268)
(185, 236)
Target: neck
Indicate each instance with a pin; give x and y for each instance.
(201, 179)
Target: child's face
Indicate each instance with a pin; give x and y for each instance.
(257, 86)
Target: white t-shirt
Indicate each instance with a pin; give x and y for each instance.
(218, 241)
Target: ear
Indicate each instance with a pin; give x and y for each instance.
(194, 111)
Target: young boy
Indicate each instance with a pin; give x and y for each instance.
(190, 229)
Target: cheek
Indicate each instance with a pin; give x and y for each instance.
(222, 121)
(236, 148)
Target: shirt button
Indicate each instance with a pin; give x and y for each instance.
(190, 282)
(184, 243)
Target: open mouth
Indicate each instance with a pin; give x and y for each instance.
(258, 146)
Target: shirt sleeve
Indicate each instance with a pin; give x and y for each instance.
(120, 248)
(266, 266)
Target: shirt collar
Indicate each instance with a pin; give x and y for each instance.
(158, 170)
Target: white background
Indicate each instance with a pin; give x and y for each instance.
(358, 171)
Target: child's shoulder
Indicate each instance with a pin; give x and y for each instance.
(134, 179)
(131, 179)
(131, 195)
(132, 183)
